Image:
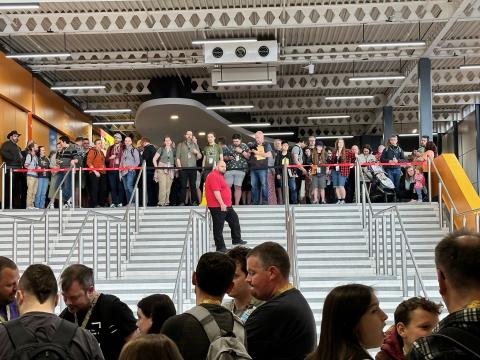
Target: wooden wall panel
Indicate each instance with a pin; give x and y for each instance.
(15, 83)
(40, 133)
(53, 109)
(12, 118)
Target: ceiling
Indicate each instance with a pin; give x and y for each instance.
(124, 44)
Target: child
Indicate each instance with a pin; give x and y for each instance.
(419, 184)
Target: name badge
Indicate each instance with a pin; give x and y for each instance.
(210, 161)
(189, 155)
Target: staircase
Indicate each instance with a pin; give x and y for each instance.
(332, 247)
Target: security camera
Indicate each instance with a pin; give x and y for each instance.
(310, 68)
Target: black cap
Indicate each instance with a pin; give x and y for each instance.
(13, 132)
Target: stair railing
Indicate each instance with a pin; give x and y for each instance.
(43, 219)
(109, 219)
(376, 225)
(195, 244)
(290, 229)
(453, 211)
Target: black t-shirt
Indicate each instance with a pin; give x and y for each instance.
(84, 345)
(149, 152)
(111, 322)
(189, 335)
(258, 161)
(282, 329)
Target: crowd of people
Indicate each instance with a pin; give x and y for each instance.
(176, 173)
(266, 318)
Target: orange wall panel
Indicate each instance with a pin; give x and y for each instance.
(40, 133)
(56, 111)
(15, 83)
(12, 118)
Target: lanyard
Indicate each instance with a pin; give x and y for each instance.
(283, 289)
(89, 313)
(7, 309)
(211, 301)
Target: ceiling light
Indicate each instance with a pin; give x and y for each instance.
(411, 135)
(37, 55)
(114, 123)
(230, 107)
(457, 93)
(371, 78)
(173, 117)
(469, 67)
(353, 97)
(414, 131)
(335, 137)
(223, 41)
(285, 133)
(106, 111)
(17, 6)
(79, 87)
(243, 82)
(250, 125)
(201, 133)
(393, 44)
(328, 117)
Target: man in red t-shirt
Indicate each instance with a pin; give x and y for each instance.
(219, 202)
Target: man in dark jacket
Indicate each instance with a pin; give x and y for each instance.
(393, 154)
(458, 335)
(12, 156)
(149, 151)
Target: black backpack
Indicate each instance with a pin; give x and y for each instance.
(30, 347)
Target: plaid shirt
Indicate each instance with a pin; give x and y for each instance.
(435, 348)
(349, 158)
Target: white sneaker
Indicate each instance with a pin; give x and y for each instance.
(119, 205)
(113, 205)
(31, 208)
(51, 206)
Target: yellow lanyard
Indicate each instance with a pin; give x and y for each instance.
(89, 313)
(474, 304)
(283, 289)
(211, 301)
(2, 320)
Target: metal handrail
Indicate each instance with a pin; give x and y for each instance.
(116, 219)
(443, 185)
(45, 211)
(187, 258)
(403, 238)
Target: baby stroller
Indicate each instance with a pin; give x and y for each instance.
(381, 184)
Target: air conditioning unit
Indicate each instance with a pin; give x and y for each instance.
(248, 52)
(248, 75)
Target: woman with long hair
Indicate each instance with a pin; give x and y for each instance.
(352, 323)
(340, 173)
(319, 173)
(43, 178)
(164, 158)
(31, 163)
(152, 312)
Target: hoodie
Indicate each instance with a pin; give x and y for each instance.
(392, 348)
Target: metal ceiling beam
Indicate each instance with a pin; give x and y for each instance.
(462, 6)
(230, 18)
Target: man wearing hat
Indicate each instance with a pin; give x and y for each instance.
(113, 159)
(11, 154)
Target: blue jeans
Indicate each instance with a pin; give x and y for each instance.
(258, 178)
(116, 187)
(292, 190)
(394, 174)
(67, 185)
(128, 183)
(41, 192)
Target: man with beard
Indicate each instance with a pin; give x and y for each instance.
(8, 289)
(105, 316)
(12, 155)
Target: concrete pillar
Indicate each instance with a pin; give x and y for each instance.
(425, 97)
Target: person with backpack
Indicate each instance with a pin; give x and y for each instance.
(31, 164)
(130, 158)
(97, 181)
(209, 331)
(457, 336)
(38, 334)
